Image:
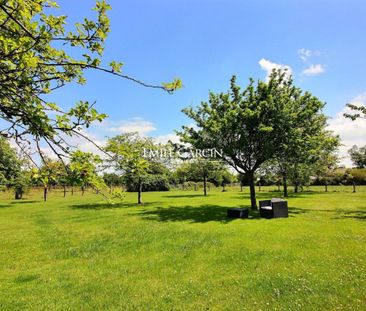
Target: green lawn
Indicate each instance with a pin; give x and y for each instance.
(179, 252)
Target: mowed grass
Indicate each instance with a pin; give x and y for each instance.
(179, 251)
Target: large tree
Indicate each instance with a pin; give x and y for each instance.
(202, 169)
(249, 126)
(358, 156)
(307, 144)
(12, 172)
(83, 171)
(127, 157)
(39, 54)
(10, 165)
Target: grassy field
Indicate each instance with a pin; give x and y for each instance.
(179, 252)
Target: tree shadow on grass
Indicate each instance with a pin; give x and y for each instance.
(26, 278)
(267, 195)
(293, 211)
(185, 195)
(305, 194)
(100, 206)
(193, 214)
(355, 214)
(20, 202)
(338, 213)
(25, 202)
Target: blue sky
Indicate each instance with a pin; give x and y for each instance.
(204, 42)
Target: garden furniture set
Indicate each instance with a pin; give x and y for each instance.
(274, 208)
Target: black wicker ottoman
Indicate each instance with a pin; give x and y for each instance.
(274, 208)
(237, 212)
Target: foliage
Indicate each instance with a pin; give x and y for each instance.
(49, 172)
(357, 112)
(151, 182)
(83, 171)
(359, 175)
(39, 54)
(10, 164)
(257, 124)
(307, 146)
(358, 156)
(194, 170)
(21, 185)
(225, 177)
(80, 171)
(3, 181)
(158, 177)
(127, 153)
(342, 177)
(206, 170)
(127, 157)
(12, 173)
(112, 179)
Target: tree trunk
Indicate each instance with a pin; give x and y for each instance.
(259, 186)
(296, 190)
(253, 201)
(204, 184)
(82, 190)
(64, 191)
(278, 186)
(139, 190)
(354, 186)
(45, 191)
(241, 187)
(326, 187)
(285, 192)
(18, 193)
(72, 190)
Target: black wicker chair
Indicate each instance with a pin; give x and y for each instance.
(274, 208)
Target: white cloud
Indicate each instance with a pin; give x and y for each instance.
(314, 70)
(88, 144)
(139, 125)
(48, 152)
(359, 100)
(96, 136)
(304, 54)
(163, 139)
(13, 144)
(268, 66)
(351, 132)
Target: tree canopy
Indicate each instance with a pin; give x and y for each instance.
(358, 156)
(127, 157)
(10, 164)
(307, 144)
(39, 53)
(251, 126)
(204, 170)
